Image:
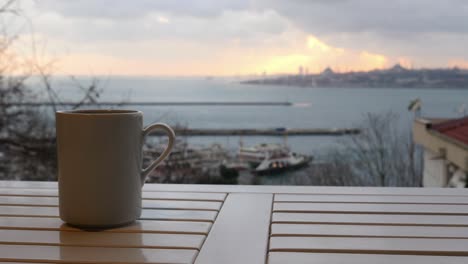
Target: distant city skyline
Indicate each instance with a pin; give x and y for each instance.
(243, 37)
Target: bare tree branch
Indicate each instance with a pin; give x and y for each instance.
(383, 154)
(7, 7)
(27, 134)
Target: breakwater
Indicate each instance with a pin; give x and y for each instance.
(260, 103)
(266, 132)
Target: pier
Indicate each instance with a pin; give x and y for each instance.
(257, 103)
(265, 132)
(230, 132)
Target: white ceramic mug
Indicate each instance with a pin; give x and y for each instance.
(100, 170)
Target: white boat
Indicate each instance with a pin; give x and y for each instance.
(256, 154)
(282, 162)
(271, 158)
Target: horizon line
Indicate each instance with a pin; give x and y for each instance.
(208, 76)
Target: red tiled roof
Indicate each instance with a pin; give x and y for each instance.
(455, 128)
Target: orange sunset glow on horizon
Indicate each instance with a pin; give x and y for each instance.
(314, 55)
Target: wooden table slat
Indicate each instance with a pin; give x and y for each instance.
(411, 246)
(159, 195)
(327, 190)
(265, 189)
(371, 219)
(397, 199)
(191, 196)
(29, 201)
(371, 208)
(182, 205)
(141, 226)
(62, 254)
(326, 258)
(101, 239)
(147, 214)
(147, 203)
(29, 184)
(368, 230)
(187, 215)
(1, 262)
(240, 233)
(29, 211)
(28, 192)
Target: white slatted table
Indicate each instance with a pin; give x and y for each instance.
(245, 224)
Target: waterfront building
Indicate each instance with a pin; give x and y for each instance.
(445, 143)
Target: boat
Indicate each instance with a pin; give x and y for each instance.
(272, 158)
(185, 160)
(281, 162)
(256, 154)
(236, 164)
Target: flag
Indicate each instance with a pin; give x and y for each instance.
(414, 105)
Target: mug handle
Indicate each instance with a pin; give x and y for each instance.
(170, 133)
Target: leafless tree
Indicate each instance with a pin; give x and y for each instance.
(334, 169)
(27, 134)
(384, 154)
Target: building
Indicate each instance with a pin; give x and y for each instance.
(300, 71)
(445, 143)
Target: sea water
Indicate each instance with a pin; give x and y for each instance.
(311, 107)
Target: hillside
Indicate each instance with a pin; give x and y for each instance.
(395, 77)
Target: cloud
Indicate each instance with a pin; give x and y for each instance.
(245, 36)
(316, 55)
(282, 63)
(370, 24)
(226, 26)
(120, 9)
(370, 61)
(314, 43)
(396, 17)
(342, 59)
(163, 20)
(178, 57)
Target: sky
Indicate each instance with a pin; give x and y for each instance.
(243, 37)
